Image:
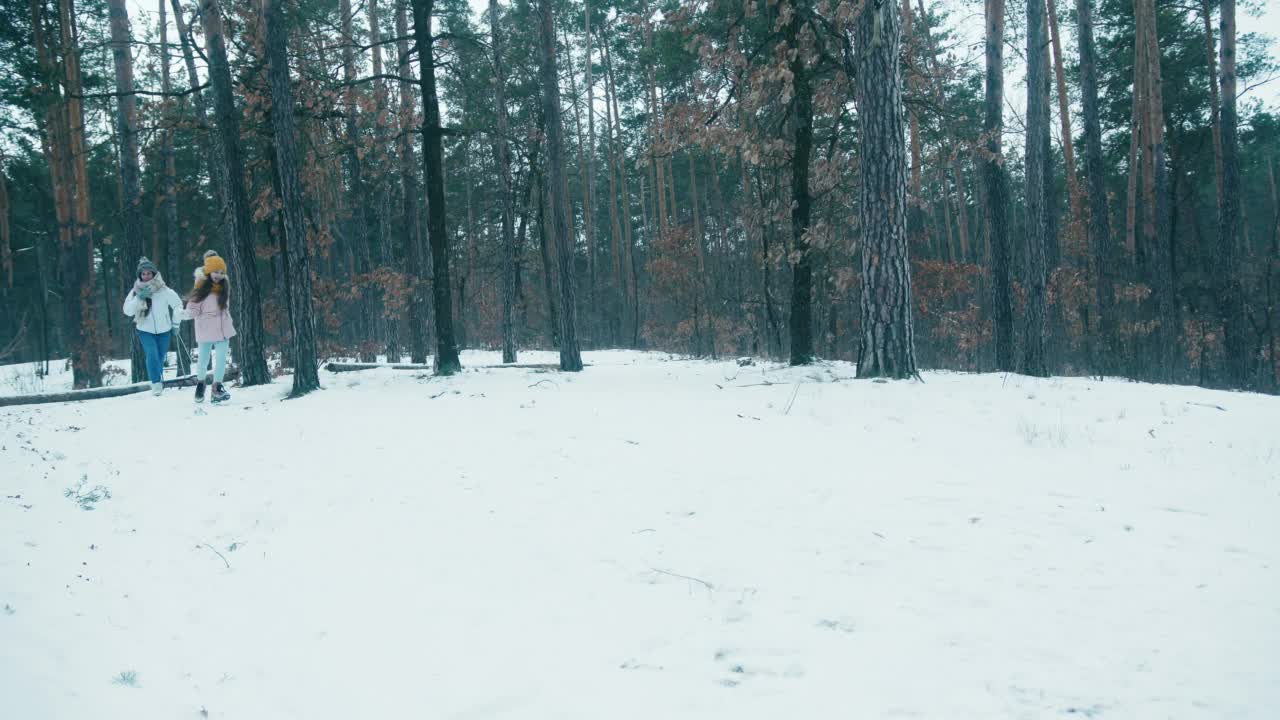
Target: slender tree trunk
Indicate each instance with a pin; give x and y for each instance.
(1215, 106)
(1099, 211)
(548, 271)
(173, 240)
(447, 362)
(631, 273)
(297, 254)
(585, 172)
(1237, 346)
(126, 120)
(502, 156)
(216, 163)
(419, 274)
(244, 268)
(382, 189)
(888, 337)
(915, 198)
(570, 356)
(996, 181)
(1064, 118)
(1035, 361)
(962, 217)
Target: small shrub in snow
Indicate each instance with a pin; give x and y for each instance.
(1042, 435)
(128, 678)
(87, 498)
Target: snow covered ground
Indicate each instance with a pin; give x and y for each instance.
(652, 538)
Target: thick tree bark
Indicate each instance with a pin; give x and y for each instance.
(419, 275)
(1237, 347)
(1100, 239)
(997, 185)
(80, 325)
(126, 122)
(1036, 224)
(570, 356)
(502, 156)
(801, 320)
(297, 255)
(447, 361)
(888, 336)
(244, 268)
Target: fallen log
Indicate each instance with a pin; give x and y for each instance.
(353, 367)
(108, 392)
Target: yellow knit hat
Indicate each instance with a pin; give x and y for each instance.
(213, 263)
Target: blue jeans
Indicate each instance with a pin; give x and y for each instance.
(219, 349)
(155, 347)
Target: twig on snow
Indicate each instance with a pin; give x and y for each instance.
(220, 555)
(1208, 405)
(704, 583)
(792, 401)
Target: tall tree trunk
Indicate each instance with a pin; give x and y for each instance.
(64, 148)
(801, 321)
(244, 268)
(382, 189)
(1099, 211)
(570, 356)
(297, 254)
(888, 336)
(1156, 228)
(1035, 361)
(447, 362)
(502, 156)
(419, 274)
(548, 270)
(1237, 347)
(585, 173)
(915, 198)
(126, 121)
(631, 278)
(357, 229)
(997, 184)
(1064, 118)
(173, 243)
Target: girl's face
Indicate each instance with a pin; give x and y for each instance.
(146, 275)
(217, 276)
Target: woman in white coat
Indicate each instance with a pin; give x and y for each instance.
(156, 311)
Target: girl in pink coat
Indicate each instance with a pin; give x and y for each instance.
(208, 306)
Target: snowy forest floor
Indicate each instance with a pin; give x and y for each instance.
(652, 538)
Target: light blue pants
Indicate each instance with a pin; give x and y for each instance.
(219, 349)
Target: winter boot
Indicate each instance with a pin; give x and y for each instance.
(157, 388)
(199, 392)
(220, 393)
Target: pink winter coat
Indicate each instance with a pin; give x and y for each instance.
(213, 324)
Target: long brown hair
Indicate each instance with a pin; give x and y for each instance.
(204, 286)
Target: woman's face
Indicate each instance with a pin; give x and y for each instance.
(217, 276)
(146, 275)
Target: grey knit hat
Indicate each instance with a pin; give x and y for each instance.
(145, 264)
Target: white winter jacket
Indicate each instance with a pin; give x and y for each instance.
(166, 311)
